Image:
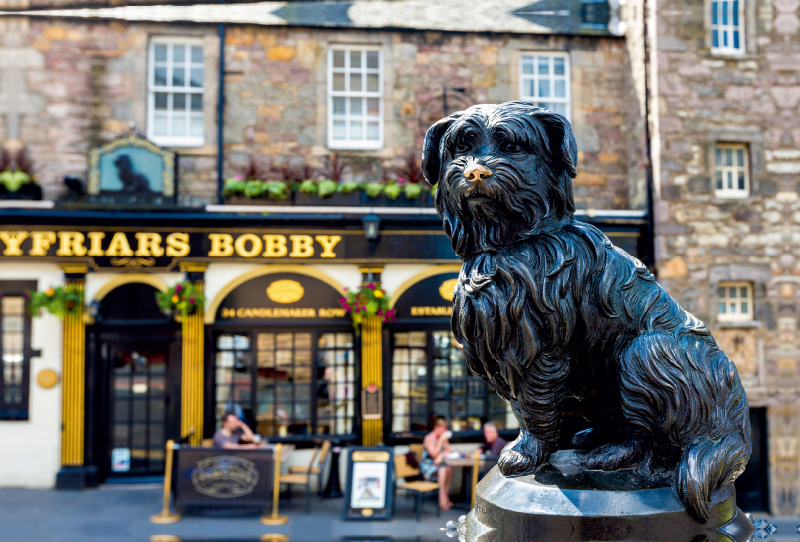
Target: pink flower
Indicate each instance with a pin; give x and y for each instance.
(191, 300)
(178, 288)
(371, 286)
(238, 177)
(342, 300)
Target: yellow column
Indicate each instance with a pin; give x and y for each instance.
(192, 364)
(73, 375)
(372, 373)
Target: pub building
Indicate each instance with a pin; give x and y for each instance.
(273, 337)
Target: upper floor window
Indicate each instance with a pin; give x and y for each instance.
(15, 348)
(545, 81)
(727, 26)
(175, 92)
(731, 171)
(355, 98)
(735, 301)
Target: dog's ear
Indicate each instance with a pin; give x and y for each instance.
(559, 132)
(431, 161)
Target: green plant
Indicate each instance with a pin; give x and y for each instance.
(255, 188)
(16, 169)
(373, 189)
(277, 189)
(13, 180)
(369, 300)
(392, 191)
(348, 187)
(234, 187)
(59, 301)
(309, 186)
(184, 298)
(412, 191)
(327, 188)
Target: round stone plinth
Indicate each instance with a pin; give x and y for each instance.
(567, 503)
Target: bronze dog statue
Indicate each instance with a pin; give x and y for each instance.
(546, 307)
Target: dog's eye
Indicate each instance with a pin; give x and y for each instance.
(512, 148)
(461, 148)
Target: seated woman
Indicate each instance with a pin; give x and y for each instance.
(435, 447)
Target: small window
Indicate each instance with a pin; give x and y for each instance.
(355, 98)
(727, 26)
(15, 348)
(175, 115)
(545, 81)
(731, 171)
(734, 301)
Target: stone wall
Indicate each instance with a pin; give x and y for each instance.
(82, 83)
(703, 99)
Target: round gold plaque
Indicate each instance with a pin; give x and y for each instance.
(273, 537)
(47, 378)
(367, 512)
(446, 289)
(285, 291)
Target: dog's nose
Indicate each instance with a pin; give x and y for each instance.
(476, 172)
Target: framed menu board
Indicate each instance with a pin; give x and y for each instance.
(370, 483)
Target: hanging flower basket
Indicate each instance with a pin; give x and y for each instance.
(369, 300)
(184, 298)
(58, 301)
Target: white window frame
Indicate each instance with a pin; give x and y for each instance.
(734, 309)
(152, 89)
(524, 78)
(359, 144)
(729, 175)
(727, 9)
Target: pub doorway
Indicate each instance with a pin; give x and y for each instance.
(133, 384)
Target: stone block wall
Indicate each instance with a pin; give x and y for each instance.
(82, 83)
(701, 99)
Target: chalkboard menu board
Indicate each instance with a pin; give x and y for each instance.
(370, 483)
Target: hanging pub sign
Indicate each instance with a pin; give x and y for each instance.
(430, 297)
(282, 297)
(131, 170)
(370, 483)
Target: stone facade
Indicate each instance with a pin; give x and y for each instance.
(83, 83)
(701, 99)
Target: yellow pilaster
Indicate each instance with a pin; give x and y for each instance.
(73, 381)
(192, 368)
(372, 373)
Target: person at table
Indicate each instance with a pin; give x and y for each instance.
(435, 446)
(494, 442)
(234, 434)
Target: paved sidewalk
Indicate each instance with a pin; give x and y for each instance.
(120, 513)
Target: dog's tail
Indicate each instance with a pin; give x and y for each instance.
(706, 466)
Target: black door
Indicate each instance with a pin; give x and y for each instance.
(752, 490)
(138, 397)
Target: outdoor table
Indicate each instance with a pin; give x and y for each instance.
(466, 464)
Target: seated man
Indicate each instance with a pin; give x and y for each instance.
(234, 433)
(494, 442)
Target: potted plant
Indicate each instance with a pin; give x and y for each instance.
(182, 299)
(17, 177)
(252, 186)
(401, 187)
(328, 187)
(58, 301)
(369, 300)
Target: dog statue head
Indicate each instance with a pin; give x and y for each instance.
(504, 174)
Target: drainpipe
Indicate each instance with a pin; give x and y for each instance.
(220, 110)
(651, 232)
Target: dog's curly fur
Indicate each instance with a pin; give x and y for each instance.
(547, 307)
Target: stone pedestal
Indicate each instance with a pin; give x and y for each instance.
(564, 502)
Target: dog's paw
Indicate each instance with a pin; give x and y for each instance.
(617, 456)
(523, 456)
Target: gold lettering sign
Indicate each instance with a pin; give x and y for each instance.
(285, 291)
(431, 311)
(368, 456)
(447, 288)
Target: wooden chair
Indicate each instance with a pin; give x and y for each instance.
(417, 449)
(419, 487)
(207, 443)
(301, 480)
(315, 471)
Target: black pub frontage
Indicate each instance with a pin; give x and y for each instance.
(272, 340)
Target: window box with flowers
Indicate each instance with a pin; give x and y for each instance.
(253, 185)
(17, 177)
(326, 187)
(404, 186)
(182, 299)
(369, 300)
